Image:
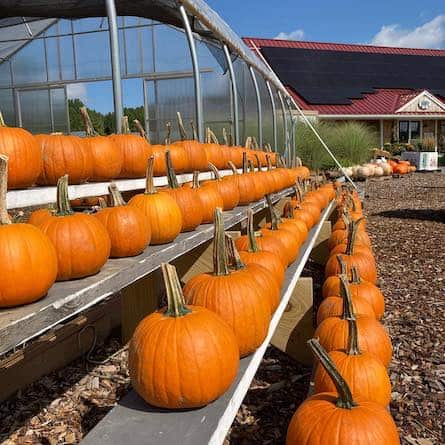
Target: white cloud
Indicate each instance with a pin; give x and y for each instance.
(77, 91)
(428, 35)
(298, 34)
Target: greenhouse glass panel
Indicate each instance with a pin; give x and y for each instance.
(93, 55)
(171, 50)
(59, 110)
(29, 64)
(5, 74)
(7, 106)
(66, 57)
(52, 54)
(133, 100)
(280, 122)
(35, 112)
(90, 24)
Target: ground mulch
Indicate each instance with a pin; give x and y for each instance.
(406, 222)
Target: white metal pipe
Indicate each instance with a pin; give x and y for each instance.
(259, 109)
(274, 116)
(235, 109)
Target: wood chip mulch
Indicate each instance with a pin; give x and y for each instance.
(406, 221)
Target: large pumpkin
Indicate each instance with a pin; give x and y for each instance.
(28, 259)
(161, 211)
(107, 157)
(182, 356)
(23, 152)
(64, 155)
(338, 418)
(231, 295)
(126, 225)
(82, 243)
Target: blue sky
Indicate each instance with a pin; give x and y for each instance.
(391, 22)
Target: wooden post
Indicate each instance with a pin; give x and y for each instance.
(320, 252)
(296, 325)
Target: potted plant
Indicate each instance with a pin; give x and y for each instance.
(425, 157)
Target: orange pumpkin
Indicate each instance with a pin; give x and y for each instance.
(289, 220)
(245, 186)
(338, 418)
(28, 259)
(208, 196)
(23, 152)
(160, 209)
(231, 295)
(81, 241)
(64, 155)
(228, 189)
(126, 225)
(176, 354)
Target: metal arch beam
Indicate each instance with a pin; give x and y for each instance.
(286, 136)
(274, 116)
(235, 109)
(115, 64)
(196, 74)
(259, 109)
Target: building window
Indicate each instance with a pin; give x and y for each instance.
(408, 131)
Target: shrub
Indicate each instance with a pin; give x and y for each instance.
(428, 144)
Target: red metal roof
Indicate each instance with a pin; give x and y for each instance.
(369, 49)
(382, 102)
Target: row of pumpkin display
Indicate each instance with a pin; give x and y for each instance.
(187, 354)
(59, 244)
(44, 158)
(352, 349)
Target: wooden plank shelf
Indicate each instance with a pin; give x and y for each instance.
(35, 196)
(135, 422)
(66, 299)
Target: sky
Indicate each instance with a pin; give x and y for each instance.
(405, 23)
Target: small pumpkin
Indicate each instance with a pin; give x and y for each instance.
(28, 258)
(228, 189)
(126, 225)
(245, 186)
(230, 294)
(82, 243)
(289, 220)
(338, 418)
(217, 154)
(161, 211)
(182, 356)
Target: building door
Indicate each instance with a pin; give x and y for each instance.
(408, 131)
(43, 110)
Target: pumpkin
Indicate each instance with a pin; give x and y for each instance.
(182, 356)
(230, 294)
(291, 237)
(185, 197)
(82, 243)
(268, 180)
(245, 186)
(126, 225)
(340, 233)
(135, 152)
(107, 157)
(227, 188)
(334, 305)
(338, 418)
(333, 333)
(161, 212)
(289, 220)
(64, 155)
(254, 255)
(363, 261)
(302, 205)
(217, 155)
(260, 276)
(23, 152)
(37, 216)
(365, 375)
(196, 154)
(28, 258)
(257, 181)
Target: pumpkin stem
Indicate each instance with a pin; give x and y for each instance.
(215, 171)
(252, 244)
(116, 198)
(260, 167)
(195, 180)
(102, 203)
(269, 163)
(63, 202)
(150, 188)
(288, 211)
(345, 400)
(355, 275)
(248, 142)
(168, 129)
(352, 235)
(353, 347)
(255, 143)
(272, 214)
(171, 174)
(245, 165)
(4, 216)
(89, 129)
(181, 127)
(233, 254)
(343, 265)
(226, 141)
(298, 162)
(213, 137)
(175, 298)
(250, 165)
(348, 310)
(220, 266)
(233, 167)
(195, 135)
(141, 130)
(2, 120)
(125, 125)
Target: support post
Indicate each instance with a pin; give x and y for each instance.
(196, 74)
(259, 109)
(274, 116)
(235, 109)
(115, 64)
(286, 139)
(436, 134)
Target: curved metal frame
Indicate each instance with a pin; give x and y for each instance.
(235, 109)
(286, 136)
(259, 109)
(274, 116)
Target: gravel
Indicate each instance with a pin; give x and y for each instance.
(406, 219)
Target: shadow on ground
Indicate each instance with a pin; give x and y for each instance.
(420, 214)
